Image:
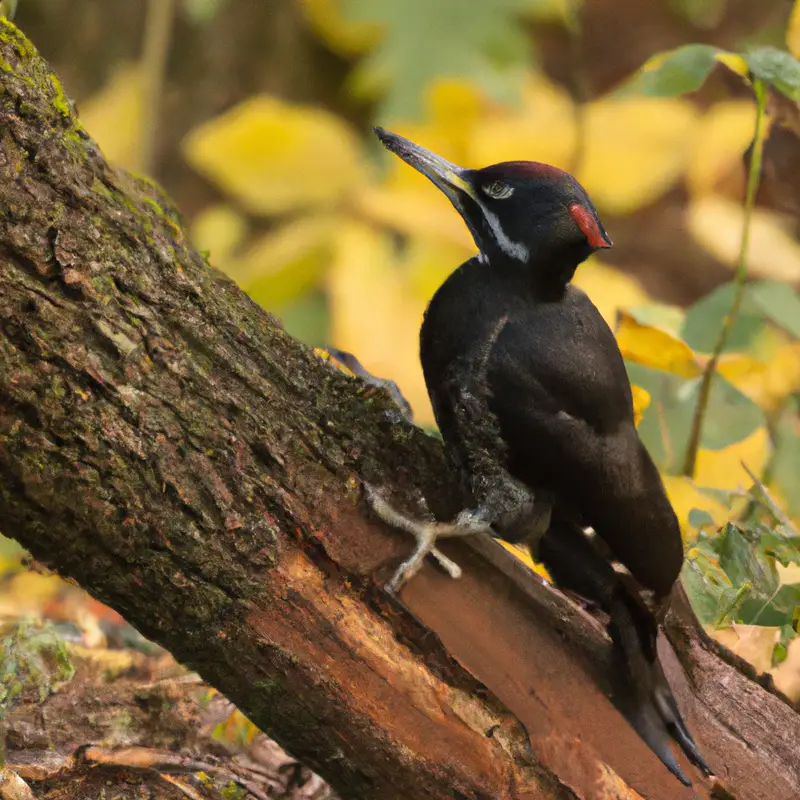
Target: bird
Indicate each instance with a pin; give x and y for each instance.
(532, 399)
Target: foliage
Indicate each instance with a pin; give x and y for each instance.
(347, 246)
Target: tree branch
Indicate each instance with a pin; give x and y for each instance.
(168, 446)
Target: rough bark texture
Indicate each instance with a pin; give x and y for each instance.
(165, 444)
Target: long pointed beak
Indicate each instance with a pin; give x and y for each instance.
(448, 177)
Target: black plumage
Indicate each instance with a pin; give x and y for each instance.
(531, 395)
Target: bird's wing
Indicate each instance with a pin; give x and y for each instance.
(561, 397)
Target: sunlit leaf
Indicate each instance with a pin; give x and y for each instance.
(524, 555)
(113, 116)
(655, 348)
(752, 642)
(374, 313)
(345, 36)
(787, 674)
(793, 31)
(766, 383)
(543, 128)
(275, 157)
(778, 68)
(716, 224)
(285, 263)
(610, 290)
(634, 150)
(723, 135)
(641, 401)
(722, 467)
(686, 497)
(218, 230)
(660, 315)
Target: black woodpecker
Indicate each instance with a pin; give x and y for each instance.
(534, 405)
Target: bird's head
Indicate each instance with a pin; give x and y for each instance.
(518, 210)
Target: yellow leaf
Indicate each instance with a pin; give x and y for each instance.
(285, 263)
(414, 210)
(543, 130)
(793, 31)
(523, 554)
(787, 673)
(641, 402)
(634, 149)
(276, 157)
(455, 106)
(766, 383)
(113, 116)
(219, 229)
(735, 63)
(722, 469)
(754, 643)
(653, 347)
(685, 496)
(723, 135)
(427, 261)
(342, 35)
(610, 289)
(374, 313)
(716, 224)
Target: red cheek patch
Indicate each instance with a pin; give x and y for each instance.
(587, 222)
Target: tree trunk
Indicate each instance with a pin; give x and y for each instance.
(165, 444)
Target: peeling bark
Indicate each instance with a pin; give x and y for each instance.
(168, 446)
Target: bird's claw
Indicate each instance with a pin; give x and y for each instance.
(425, 532)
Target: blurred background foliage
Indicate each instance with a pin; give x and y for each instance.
(255, 116)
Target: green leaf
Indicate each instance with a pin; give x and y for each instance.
(699, 519)
(703, 321)
(781, 649)
(201, 12)
(666, 423)
(684, 70)
(779, 303)
(778, 68)
(307, 318)
(705, 14)
(8, 8)
(784, 549)
(428, 39)
(708, 587)
(786, 459)
(745, 563)
(778, 610)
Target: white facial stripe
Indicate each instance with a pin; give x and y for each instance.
(513, 249)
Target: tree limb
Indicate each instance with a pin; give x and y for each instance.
(168, 446)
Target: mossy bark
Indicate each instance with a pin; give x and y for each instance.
(168, 446)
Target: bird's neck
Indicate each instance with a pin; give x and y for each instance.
(546, 275)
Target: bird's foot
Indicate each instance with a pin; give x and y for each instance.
(426, 533)
(670, 714)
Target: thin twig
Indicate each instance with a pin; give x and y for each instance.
(155, 49)
(753, 178)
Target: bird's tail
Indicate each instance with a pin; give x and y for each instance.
(646, 698)
(643, 693)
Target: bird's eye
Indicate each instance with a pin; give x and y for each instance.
(498, 190)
